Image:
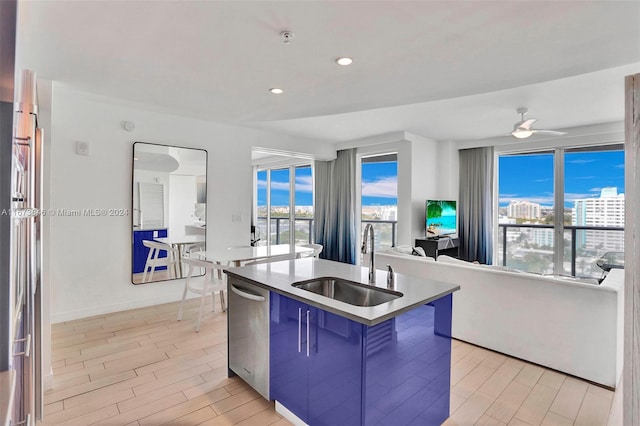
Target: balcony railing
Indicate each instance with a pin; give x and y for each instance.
(385, 231)
(529, 247)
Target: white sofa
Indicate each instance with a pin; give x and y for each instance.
(562, 324)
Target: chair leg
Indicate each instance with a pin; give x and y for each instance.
(213, 301)
(146, 265)
(222, 303)
(200, 312)
(184, 296)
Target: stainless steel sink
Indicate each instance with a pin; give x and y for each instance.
(351, 292)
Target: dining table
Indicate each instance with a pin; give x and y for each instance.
(179, 243)
(236, 256)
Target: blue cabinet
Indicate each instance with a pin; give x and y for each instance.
(139, 252)
(316, 363)
(407, 380)
(329, 370)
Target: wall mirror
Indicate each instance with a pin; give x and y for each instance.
(169, 210)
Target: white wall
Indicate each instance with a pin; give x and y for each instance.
(424, 178)
(90, 256)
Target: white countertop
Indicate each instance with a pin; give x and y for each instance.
(279, 277)
(249, 253)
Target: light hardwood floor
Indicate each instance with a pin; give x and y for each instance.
(142, 367)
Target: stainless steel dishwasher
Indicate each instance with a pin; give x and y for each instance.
(248, 327)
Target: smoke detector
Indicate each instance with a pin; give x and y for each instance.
(286, 36)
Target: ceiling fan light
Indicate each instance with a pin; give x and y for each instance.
(522, 134)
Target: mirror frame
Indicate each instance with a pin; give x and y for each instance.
(133, 213)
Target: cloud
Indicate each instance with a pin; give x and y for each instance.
(580, 161)
(543, 200)
(542, 180)
(386, 187)
(619, 166)
(570, 197)
(303, 184)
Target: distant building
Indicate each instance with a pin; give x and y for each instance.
(506, 220)
(605, 211)
(523, 210)
(389, 212)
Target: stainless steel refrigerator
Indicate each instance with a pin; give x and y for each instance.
(20, 247)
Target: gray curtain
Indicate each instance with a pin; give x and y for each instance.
(476, 204)
(334, 217)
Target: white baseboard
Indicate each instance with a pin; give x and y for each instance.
(284, 412)
(115, 307)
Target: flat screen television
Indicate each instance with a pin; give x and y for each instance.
(441, 218)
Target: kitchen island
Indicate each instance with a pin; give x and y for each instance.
(329, 362)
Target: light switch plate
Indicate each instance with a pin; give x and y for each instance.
(83, 148)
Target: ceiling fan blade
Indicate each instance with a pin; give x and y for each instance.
(521, 133)
(548, 132)
(527, 124)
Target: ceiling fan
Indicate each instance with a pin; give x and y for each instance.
(522, 129)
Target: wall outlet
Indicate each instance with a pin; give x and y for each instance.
(83, 148)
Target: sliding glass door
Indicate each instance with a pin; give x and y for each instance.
(561, 211)
(284, 196)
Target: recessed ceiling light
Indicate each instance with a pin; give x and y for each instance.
(344, 61)
(276, 91)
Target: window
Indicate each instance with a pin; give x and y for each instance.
(303, 211)
(594, 207)
(526, 206)
(586, 183)
(380, 197)
(284, 196)
(279, 206)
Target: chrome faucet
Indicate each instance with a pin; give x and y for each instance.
(368, 231)
(391, 278)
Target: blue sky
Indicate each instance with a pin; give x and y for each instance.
(379, 185)
(521, 177)
(530, 177)
(280, 187)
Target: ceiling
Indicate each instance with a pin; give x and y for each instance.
(448, 70)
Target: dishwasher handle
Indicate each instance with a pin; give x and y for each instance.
(250, 296)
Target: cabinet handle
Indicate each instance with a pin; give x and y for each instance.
(27, 346)
(299, 329)
(307, 333)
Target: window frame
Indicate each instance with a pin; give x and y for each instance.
(558, 187)
(291, 166)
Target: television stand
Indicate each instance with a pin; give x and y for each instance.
(433, 247)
